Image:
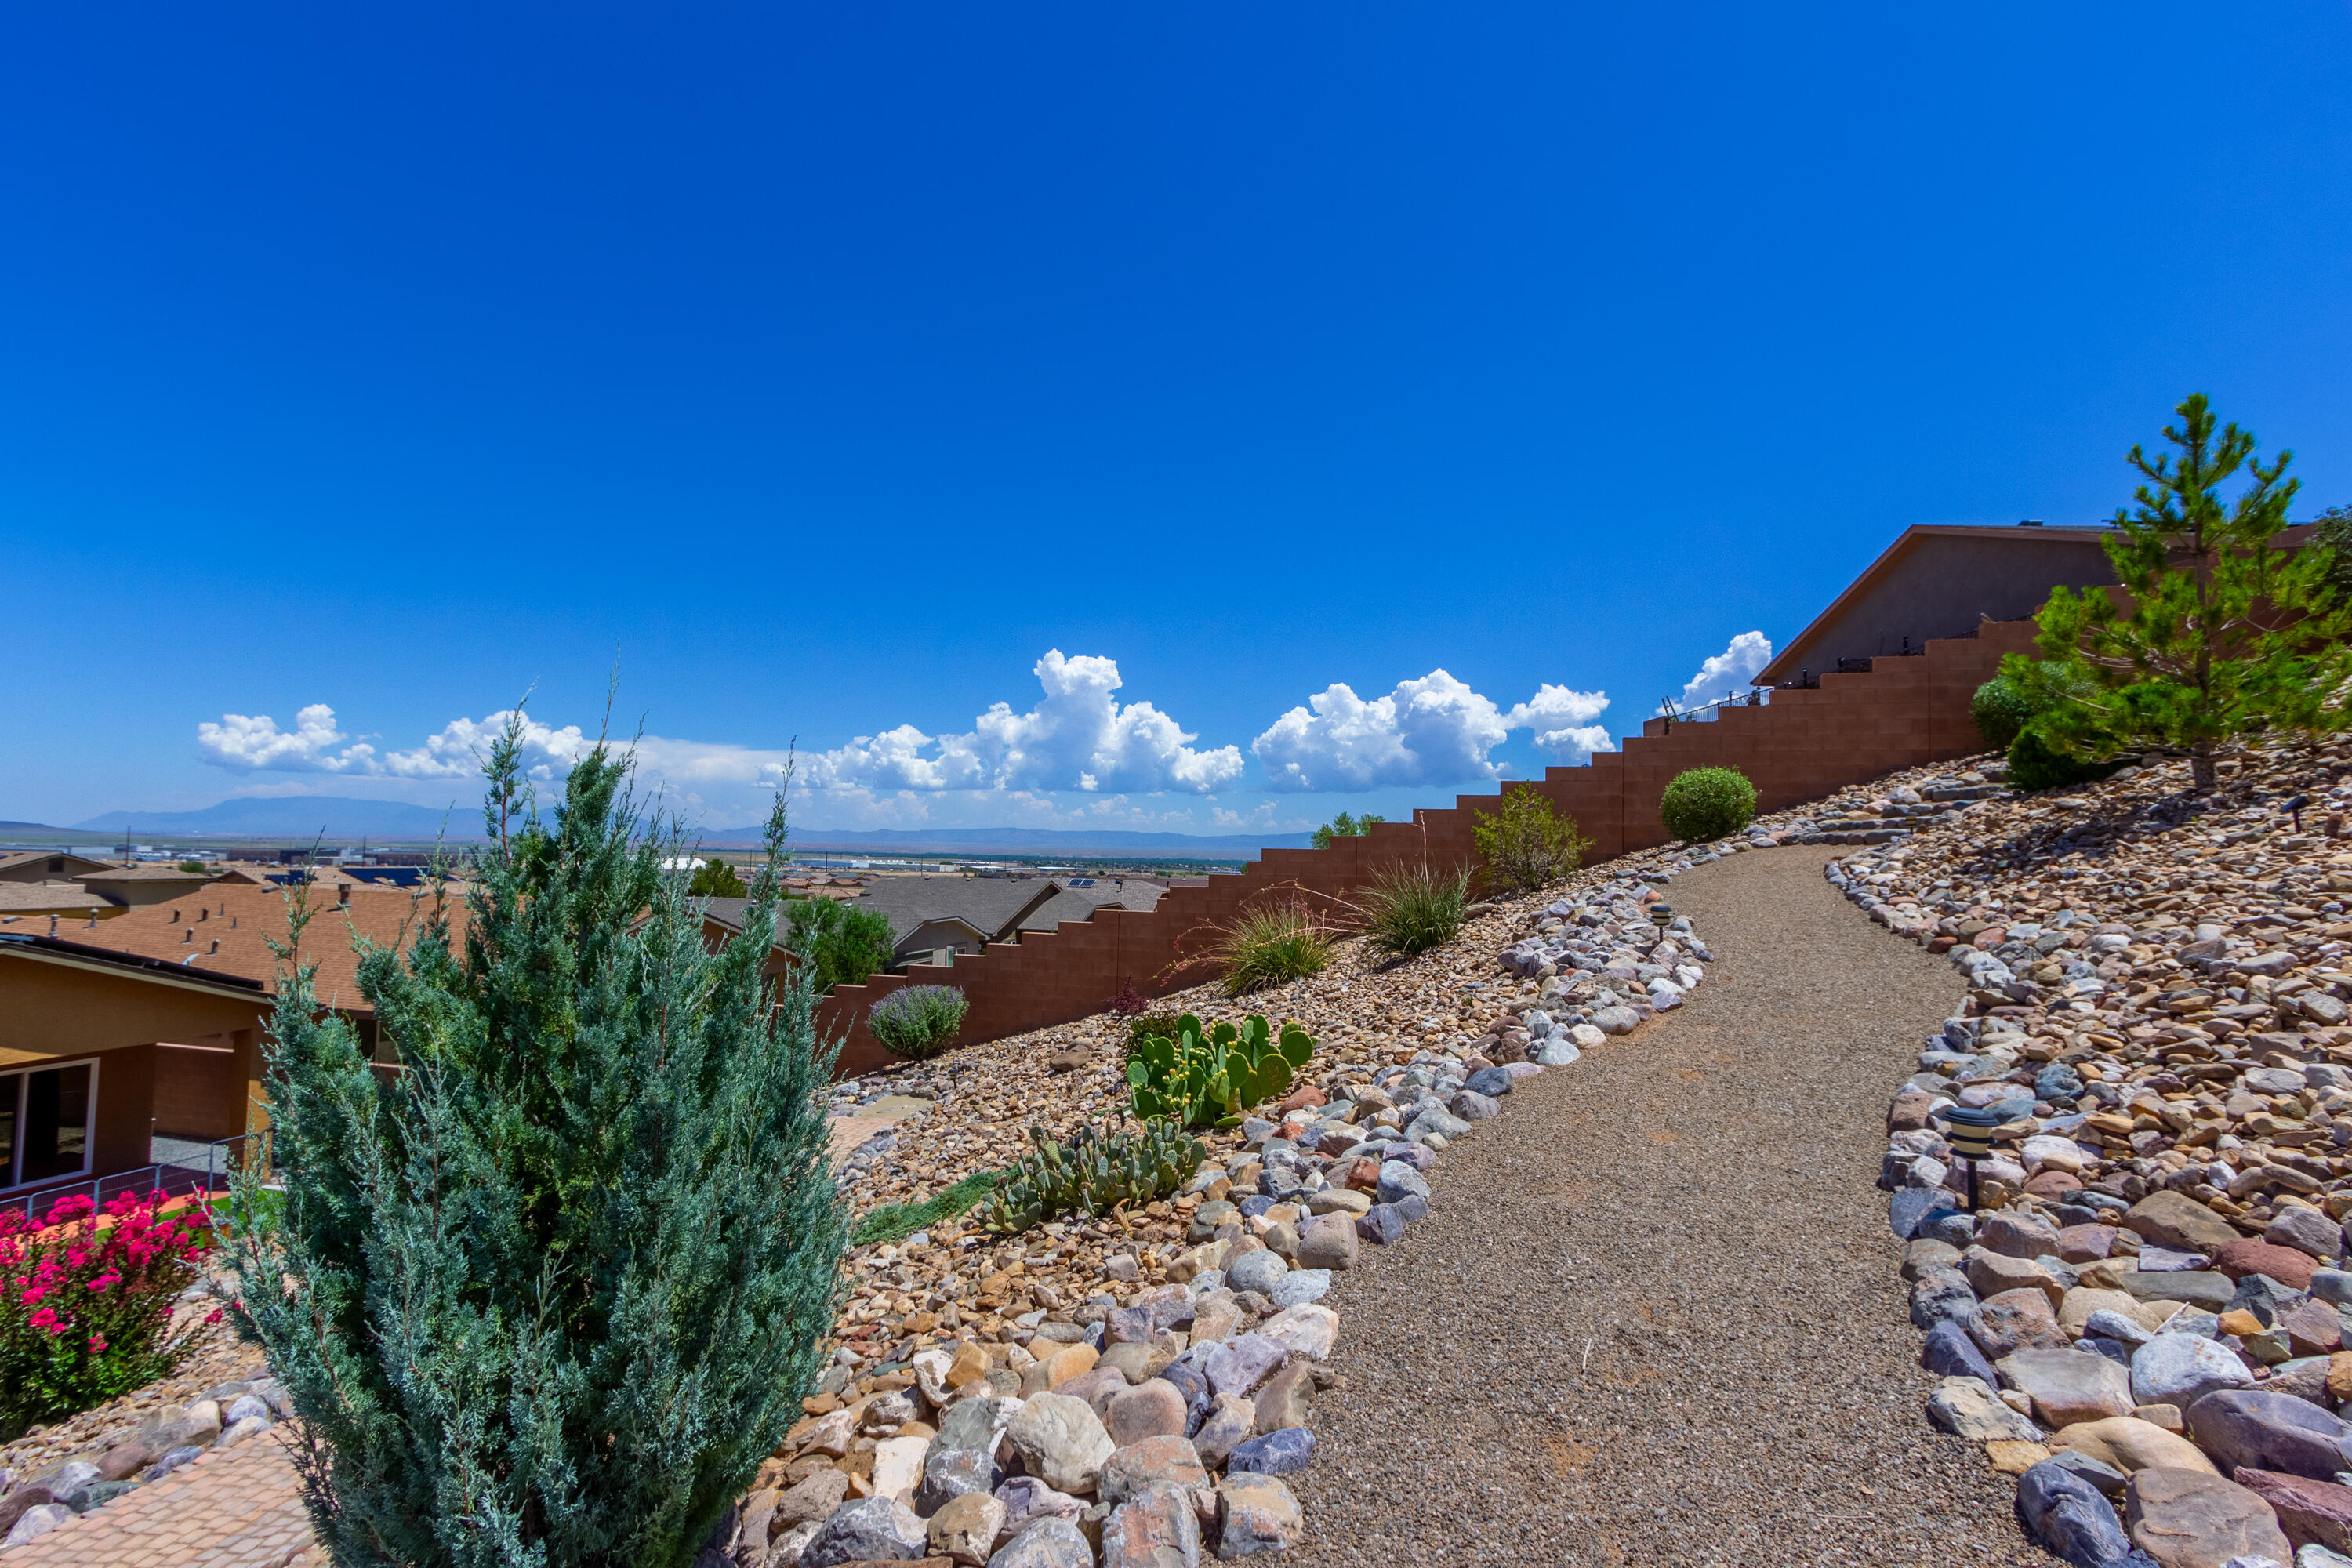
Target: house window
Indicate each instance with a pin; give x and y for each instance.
(48, 1118)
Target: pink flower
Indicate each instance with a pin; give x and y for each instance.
(216, 1316)
(46, 1317)
(105, 1279)
(32, 1298)
(96, 1342)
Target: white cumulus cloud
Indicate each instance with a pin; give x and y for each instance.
(1433, 731)
(246, 742)
(1730, 670)
(457, 752)
(1562, 722)
(1078, 737)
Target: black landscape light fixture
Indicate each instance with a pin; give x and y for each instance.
(1969, 1130)
(2295, 809)
(1662, 915)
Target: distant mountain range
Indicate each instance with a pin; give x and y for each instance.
(301, 817)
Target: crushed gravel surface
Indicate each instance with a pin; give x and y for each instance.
(1656, 1315)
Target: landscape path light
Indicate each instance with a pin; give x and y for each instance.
(1662, 915)
(1969, 1129)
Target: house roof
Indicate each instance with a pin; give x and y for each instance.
(75, 865)
(226, 928)
(21, 898)
(86, 955)
(148, 874)
(1799, 649)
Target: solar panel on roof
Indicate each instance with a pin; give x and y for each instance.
(1079, 882)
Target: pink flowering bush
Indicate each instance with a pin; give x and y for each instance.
(86, 1302)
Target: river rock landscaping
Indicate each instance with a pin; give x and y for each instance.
(2144, 1319)
(1133, 1389)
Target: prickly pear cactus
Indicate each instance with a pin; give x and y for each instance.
(1209, 1076)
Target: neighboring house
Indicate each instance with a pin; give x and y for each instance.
(207, 1081)
(1940, 581)
(53, 899)
(135, 887)
(48, 866)
(82, 1057)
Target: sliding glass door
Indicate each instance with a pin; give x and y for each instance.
(48, 1119)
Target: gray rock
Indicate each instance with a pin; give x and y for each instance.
(1061, 1441)
(976, 1424)
(1258, 1271)
(2180, 1369)
(1967, 1408)
(951, 1473)
(1242, 1365)
(1492, 1082)
(1471, 1106)
(1616, 1020)
(870, 1529)
(1327, 1242)
(2332, 1285)
(1299, 1287)
(2109, 1481)
(1027, 1499)
(1913, 1208)
(37, 1521)
(1278, 1453)
(1949, 1353)
(2307, 1230)
(1051, 1543)
(2066, 1513)
(2267, 1431)
(1941, 1295)
(1399, 1180)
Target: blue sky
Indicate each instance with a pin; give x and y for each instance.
(838, 371)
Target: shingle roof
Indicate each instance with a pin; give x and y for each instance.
(16, 897)
(17, 860)
(148, 874)
(243, 920)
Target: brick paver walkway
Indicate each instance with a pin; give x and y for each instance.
(234, 1508)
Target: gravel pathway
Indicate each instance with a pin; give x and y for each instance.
(1655, 1316)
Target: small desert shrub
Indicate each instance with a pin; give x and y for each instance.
(1271, 944)
(1524, 843)
(1129, 1003)
(86, 1314)
(1707, 803)
(1411, 909)
(1092, 1174)
(918, 1021)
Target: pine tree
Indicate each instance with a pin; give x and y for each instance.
(2226, 634)
(550, 1295)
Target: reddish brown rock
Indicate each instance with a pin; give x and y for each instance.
(1909, 1111)
(2187, 1519)
(2086, 1243)
(2246, 1255)
(2307, 1510)
(2312, 1327)
(2052, 1183)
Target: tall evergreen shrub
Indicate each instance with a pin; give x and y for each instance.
(549, 1295)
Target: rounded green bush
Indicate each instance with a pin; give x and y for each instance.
(2001, 710)
(1707, 803)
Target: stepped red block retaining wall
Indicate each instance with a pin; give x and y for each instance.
(1800, 746)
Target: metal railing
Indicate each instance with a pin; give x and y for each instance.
(174, 1179)
(1707, 712)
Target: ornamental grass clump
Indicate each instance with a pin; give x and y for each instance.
(88, 1313)
(1707, 803)
(551, 1293)
(918, 1021)
(1409, 910)
(1271, 945)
